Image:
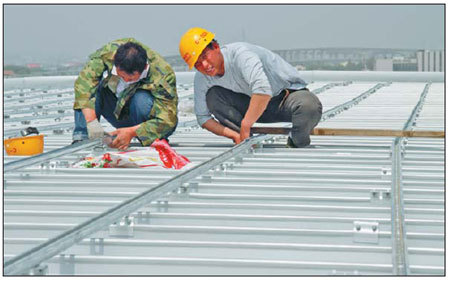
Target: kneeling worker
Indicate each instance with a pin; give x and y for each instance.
(241, 84)
(133, 88)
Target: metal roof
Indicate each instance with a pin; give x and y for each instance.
(343, 206)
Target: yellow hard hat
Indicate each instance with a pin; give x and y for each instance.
(24, 146)
(192, 44)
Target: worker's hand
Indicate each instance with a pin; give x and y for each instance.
(95, 130)
(236, 138)
(245, 130)
(123, 139)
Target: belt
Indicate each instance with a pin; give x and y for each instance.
(287, 92)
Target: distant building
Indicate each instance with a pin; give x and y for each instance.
(384, 65)
(396, 64)
(430, 60)
(405, 65)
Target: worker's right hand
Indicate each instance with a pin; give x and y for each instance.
(95, 130)
(236, 138)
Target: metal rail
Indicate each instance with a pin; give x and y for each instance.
(12, 108)
(29, 259)
(398, 231)
(16, 132)
(39, 96)
(400, 261)
(38, 110)
(329, 86)
(353, 132)
(30, 118)
(338, 109)
(11, 166)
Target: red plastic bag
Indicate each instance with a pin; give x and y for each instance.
(168, 156)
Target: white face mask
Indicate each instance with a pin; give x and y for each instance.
(123, 84)
(143, 74)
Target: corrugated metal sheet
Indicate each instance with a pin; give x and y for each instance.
(267, 210)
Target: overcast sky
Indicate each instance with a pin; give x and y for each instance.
(46, 31)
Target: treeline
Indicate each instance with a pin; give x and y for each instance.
(22, 70)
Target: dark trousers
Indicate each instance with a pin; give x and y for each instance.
(301, 107)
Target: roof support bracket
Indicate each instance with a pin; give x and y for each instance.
(380, 196)
(39, 270)
(125, 228)
(97, 246)
(365, 232)
(66, 264)
(143, 217)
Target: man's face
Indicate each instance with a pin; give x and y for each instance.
(128, 77)
(210, 62)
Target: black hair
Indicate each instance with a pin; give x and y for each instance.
(211, 44)
(131, 57)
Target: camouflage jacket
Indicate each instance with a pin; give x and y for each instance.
(160, 82)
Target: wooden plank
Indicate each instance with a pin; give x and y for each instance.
(353, 132)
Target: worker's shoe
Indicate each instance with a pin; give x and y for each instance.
(290, 143)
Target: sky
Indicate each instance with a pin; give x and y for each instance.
(74, 31)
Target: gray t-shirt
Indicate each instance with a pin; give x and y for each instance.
(249, 69)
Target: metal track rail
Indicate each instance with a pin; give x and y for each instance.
(12, 166)
(338, 109)
(399, 248)
(16, 132)
(29, 118)
(39, 96)
(329, 86)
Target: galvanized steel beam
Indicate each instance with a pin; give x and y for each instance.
(398, 231)
(16, 132)
(338, 109)
(353, 132)
(400, 259)
(38, 117)
(11, 166)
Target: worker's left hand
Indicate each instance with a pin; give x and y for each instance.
(123, 139)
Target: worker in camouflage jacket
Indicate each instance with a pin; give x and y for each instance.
(133, 88)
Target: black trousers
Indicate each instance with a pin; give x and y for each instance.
(301, 107)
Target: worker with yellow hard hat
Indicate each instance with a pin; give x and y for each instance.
(241, 83)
